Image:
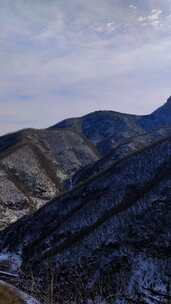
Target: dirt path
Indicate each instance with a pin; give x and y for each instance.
(11, 295)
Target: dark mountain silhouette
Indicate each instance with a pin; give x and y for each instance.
(106, 129)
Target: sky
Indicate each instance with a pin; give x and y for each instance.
(65, 58)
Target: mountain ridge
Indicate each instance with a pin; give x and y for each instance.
(95, 220)
(107, 231)
(37, 165)
(106, 128)
(34, 166)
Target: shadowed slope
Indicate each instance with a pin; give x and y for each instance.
(116, 225)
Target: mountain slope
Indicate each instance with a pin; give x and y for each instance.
(37, 165)
(34, 165)
(102, 126)
(160, 117)
(130, 146)
(114, 230)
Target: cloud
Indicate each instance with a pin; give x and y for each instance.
(153, 19)
(155, 14)
(132, 6)
(66, 58)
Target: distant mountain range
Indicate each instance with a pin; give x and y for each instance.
(107, 230)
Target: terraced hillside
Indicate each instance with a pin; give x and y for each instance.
(34, 165)
(110, 236)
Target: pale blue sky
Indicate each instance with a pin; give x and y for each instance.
(64, 58)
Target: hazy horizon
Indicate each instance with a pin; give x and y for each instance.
(61, 60)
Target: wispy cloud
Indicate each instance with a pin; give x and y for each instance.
(66, 58)
(154, 18)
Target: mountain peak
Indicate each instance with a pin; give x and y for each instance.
(167, 105)
(169, 101)
(165, 109)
